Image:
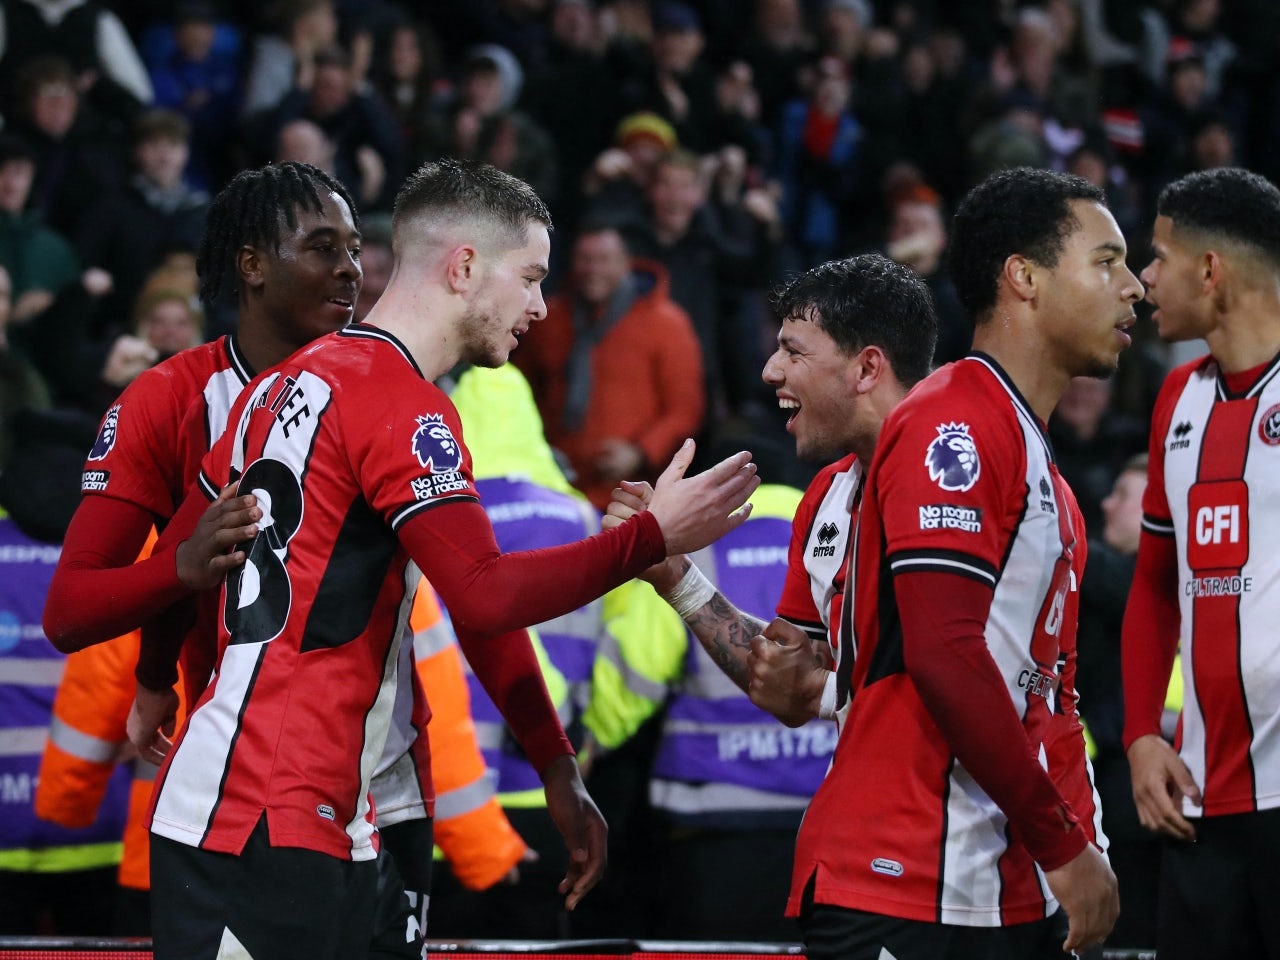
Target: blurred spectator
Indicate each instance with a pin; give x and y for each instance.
(369, 151)
(615, 367)
(198, 75)
(127, 233)
(739, 120)
(39, 260)
(21, 386)
(619, 178)
(1035, 53)
(843, 28)
(176, 271)
(918, 239)
(628, 24)
(375, 260)
(717, 249)
(1263, 100)
(928, 128)
(1013, 137)
(818, 165)
(777, 48)
(579, 72)
(516, 25)
(283, 58)
(79, 155)
(170, 321)
(105, 66)
(408, 72)
(1031, 110)
(1213, 144)
(1134, 851)
(304, 142)
(1093, 161)
(1092, 442)
(1186, 24)
(1072, 51)
(484, 124)
(55, 323)
(1170, 118)
(677, 85)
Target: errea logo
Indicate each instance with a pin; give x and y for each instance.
(1046, 496)
(1180, 435)
(827, 534)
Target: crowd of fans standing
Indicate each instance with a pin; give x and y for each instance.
(806, 129)
(692, 153)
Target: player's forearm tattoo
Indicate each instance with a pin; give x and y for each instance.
(725, 632)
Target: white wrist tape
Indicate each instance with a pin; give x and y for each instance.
(692, 592)
(827, 706)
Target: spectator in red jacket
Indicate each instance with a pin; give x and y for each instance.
(615, 367)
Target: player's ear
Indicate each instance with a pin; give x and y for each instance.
(1021, 276)
(249, 267)
(1212, 269)
(873, 366)
(461, 268)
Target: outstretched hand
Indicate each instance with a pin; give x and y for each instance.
(629, 498)
(786, 675)
(206, 556)
(580, 823)
(693, 512)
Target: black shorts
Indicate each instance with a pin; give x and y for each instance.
(404, 891)
(837, 933)
(1218, 895)
(279, 903)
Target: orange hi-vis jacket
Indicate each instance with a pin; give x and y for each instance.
(87, 740)
(471, 828)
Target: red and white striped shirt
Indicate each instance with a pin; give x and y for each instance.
(963, 484)
(1213, 490)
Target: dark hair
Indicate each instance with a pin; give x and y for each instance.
(868, 300)
(594, 225)
(473, 190)
(1019, 211)
(250, 210)
(13, 147)
(1137, 464)
(1227, 202)
(161, 124)
(39, 72)
(334, 56)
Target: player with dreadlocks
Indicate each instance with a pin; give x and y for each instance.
(286, 240)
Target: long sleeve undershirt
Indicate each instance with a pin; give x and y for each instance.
(1149, 636)
(98, 591)
(489, 594)
(976, 718)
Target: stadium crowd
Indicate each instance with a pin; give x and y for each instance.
(693, 156)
